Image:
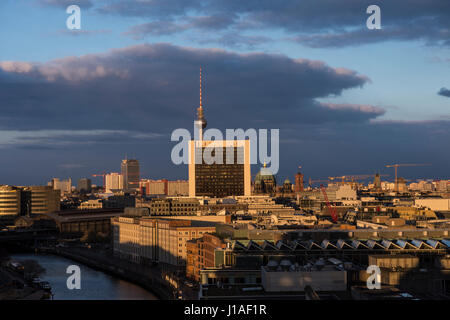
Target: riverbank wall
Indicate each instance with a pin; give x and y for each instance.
(13, 287)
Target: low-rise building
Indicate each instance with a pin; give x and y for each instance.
(435, 204)
(164, 187)
(205, 252)
(288, 277)
(91, 204)
(80, 222)
(171, 206)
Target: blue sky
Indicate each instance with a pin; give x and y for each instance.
(406, 70)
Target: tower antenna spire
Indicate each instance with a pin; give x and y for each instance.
(200, 123)
(201, 106)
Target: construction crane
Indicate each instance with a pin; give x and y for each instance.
(356, 177)
(352, 179)
(341, 177)
(331, 210)
(314, 181)
(395, 166)
(104, 179)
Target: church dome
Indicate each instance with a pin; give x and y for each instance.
(264, 175)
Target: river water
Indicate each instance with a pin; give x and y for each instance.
(95, 285)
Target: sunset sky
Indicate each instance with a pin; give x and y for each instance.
(347, 100)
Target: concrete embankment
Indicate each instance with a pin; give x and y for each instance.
(146, 277)
(13, 287)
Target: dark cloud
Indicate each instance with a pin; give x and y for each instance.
(234, 40)
(355, 148)
(166, 27)
(158, 28)
(66, 3)
(155, 9)
(212, 22)
(430, 35)
(324, 23)
(60, 139)
(96, 108)
(156, 86)
(444, 92)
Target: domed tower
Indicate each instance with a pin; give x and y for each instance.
(287, 186)
(265, 181)
(200, 123)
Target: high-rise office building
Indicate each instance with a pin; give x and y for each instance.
(114, 182)
(10, 201)
(65, 186)
(229, 172)
(84, 185)
(130, 173)
(44, 199)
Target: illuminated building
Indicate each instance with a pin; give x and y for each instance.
(130, 173)
(114, 182)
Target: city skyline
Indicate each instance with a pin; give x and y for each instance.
(346, 100)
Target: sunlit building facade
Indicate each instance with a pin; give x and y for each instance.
(145, 239)
(130, 173)
(44, 199)
(227, 173)
(114, 182)
(10, 201)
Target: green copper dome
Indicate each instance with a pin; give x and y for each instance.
(264, 175)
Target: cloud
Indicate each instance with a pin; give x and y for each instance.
(212, 22)
(57, 139)
(76, 32)
(167, 27)
(326, 23)
(437, 59)
(69, 109)
(66, 3)
(70, 69)
(156, 86)
(158, 28)
(355, 107)
(444, 92)
(364, 36)
(234, 40)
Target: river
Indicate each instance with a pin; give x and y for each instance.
(95, 285)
